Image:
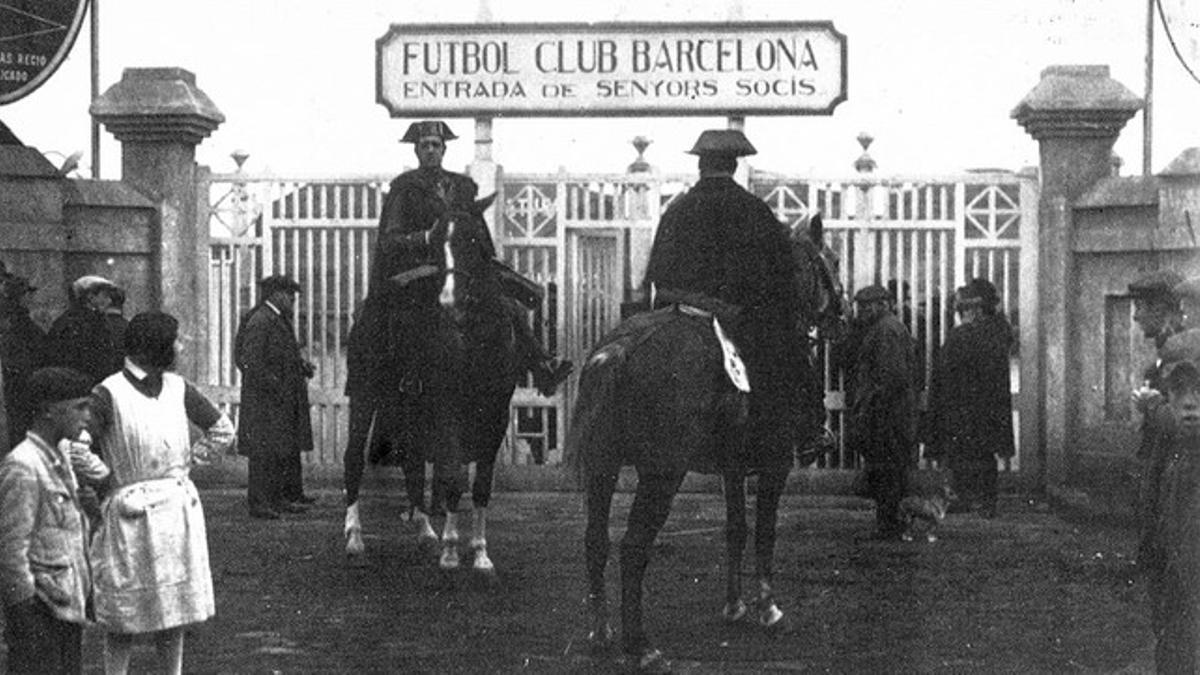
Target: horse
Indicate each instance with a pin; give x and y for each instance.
(432, 367)
(653, 395)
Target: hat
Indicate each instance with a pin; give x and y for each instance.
(727, 142)
(88, 283)
(418, 130)
(50, 385)
(872, 293)
(1159, 284)
(967, 296)
(278, 282)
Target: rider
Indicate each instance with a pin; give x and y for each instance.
(719, 241)
(415, 201)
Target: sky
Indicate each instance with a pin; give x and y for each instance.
(933, 81)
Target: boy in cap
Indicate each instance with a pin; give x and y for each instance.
(415, 201)
(1173, 565)
(883, 407)
(41, 521)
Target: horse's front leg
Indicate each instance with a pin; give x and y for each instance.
(450, 477)
(481, 496)
(353, 463)
(771, 483)
(651, 506)
(735, 543)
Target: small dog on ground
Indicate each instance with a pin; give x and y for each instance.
(923, 515)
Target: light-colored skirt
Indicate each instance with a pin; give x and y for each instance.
(150, 558)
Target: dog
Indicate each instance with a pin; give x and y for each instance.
(923, 515)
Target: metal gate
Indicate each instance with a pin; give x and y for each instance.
(586, 238)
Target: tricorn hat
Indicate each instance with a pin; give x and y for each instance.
(418, 130)
(872, 293)
(726, 142)
(278, 282)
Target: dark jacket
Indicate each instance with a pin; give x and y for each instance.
(720, 241)
(80, 338)
(274, 412)
(970, 400)
(414, 202)
(882, 424)
(22, 351)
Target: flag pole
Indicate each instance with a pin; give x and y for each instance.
(1148, 109)
(95, 44)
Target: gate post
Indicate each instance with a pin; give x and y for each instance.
(1075, 113)
(159, 115)
(484, 170)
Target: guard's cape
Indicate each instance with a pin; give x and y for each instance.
(654, 394)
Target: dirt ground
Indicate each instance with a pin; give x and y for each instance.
(1028, 592)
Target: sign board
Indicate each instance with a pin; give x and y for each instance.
(35, 37)
(635, 69)
(1182, 21)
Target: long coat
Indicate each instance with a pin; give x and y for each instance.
(720, 241)
(274, 413)
(970, 399)
(882, 423)
(414, 202)
(80, 338)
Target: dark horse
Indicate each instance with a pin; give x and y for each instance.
(654, 395)
(432, 368)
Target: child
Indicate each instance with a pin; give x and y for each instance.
(1174, 572)
(44, 573)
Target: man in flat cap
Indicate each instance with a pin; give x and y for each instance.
(80, 338)
(274, 426)
(882, 420)
(718, 242)
(42, 520)
(414, 202)
(1171, 538)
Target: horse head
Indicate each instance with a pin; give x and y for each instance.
(820, 280)
(467, 253)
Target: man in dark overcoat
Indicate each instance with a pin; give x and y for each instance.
(719, 241)
(408, 238)
(882, 424)
(970, 399)
(79, 338)
(274, 426)
(22, 351)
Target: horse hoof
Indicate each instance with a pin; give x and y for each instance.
(449, 559)
(770, 616)
(734, 611)
(652, 661)
(354, 543)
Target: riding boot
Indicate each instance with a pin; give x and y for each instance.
(548, 370)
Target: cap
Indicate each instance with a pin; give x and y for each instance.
(89, 283)
(278, 282)
(727, 142)
(967, 296)
(50, 385)
(418, 130)
(1158, 284)
(985, 291)
(872, 293)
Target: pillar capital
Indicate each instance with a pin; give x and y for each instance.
(157, 105)
(1076, 102)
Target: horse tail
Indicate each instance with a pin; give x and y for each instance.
(593, 437)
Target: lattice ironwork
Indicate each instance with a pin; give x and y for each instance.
(993, 213)
(234, 209)
(529, 211)
(788, 201)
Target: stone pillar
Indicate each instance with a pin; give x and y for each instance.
(160, 116)
(1075, 113)
(485, 172)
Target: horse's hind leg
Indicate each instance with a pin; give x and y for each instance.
(771, 483)
(736, 533)
(651, 506)
(599, 492)
(353, 463)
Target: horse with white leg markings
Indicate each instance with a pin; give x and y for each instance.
(432, 368)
